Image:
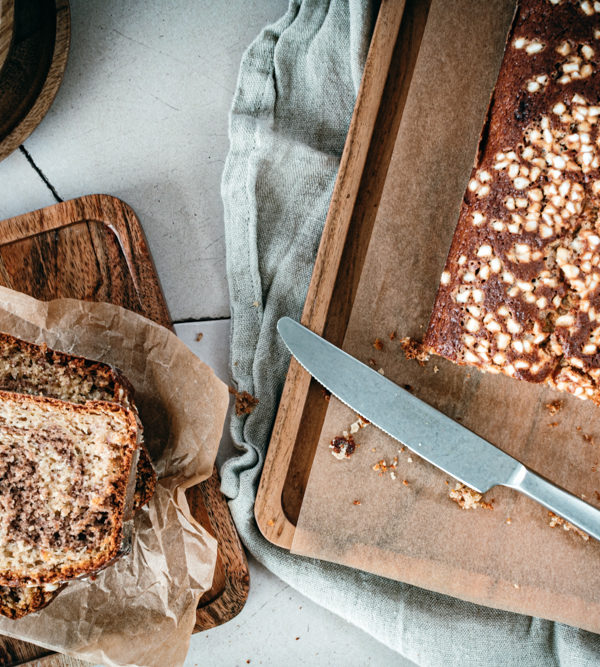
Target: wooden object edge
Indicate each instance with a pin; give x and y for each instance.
(51, 85)
(270, 516)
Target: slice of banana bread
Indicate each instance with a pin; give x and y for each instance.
(520, 292)
(64, 474)
(28, 368)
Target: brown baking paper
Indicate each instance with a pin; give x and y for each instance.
(509, 557)
(142, 609)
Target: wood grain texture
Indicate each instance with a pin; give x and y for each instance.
(34, 68)
(93, 248)
(363, 168)
(6, 28)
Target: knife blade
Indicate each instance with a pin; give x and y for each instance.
(432, 435)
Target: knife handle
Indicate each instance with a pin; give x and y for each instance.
(566, 505)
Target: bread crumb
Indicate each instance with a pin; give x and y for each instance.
(554, 407)
(343, 446)
(409, 459)
(393, 335)
(436, 369)
(356, 502)
(468, 498)
(383, 466)
(360, 422)
(587, 437)
(381, 371)
(199, 336)
(378, 344)
(255, 304)
(372, 362)
(553, 424)
(559, 521)
(508, 520)
(405, 482)
(516, 585)
(270, 522)
(414, 350)
(244, 402)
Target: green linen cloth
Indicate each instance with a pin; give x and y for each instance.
(296, 90)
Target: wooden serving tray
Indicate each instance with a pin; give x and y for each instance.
(361, 177)
(93, 248)
(6, 28)
(38, 34)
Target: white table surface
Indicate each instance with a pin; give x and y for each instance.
(142, 115)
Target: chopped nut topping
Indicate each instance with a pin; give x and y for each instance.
(360, 422)
(382, 467)
(468, 498)
(559, 521)
(553, 276)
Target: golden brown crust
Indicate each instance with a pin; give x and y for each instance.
(110, 547)
(145, 483)
(520, 292)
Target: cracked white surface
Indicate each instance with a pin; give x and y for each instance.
(142, 115)
(21, 189)
(278, 626)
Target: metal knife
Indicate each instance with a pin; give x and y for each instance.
(429, 433)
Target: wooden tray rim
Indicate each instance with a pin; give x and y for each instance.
(51, 84)
(269, 512)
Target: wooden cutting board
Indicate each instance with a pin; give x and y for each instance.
(93, 248)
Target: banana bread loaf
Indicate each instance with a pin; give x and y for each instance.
(520, 292)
